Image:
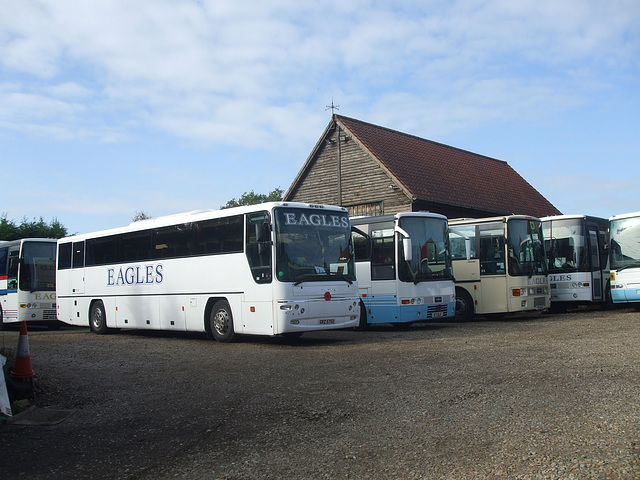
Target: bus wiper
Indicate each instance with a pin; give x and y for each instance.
(631, 265)
(342, 277)
(310, 277)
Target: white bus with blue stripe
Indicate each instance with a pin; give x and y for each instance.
(403, 266)
(624, 256)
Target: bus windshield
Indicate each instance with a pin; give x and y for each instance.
(525, 248)
(313, 245)
(38, 266)
(565, 246)
(430, 258)
(625, 242)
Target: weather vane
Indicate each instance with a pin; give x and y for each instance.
(332, 107)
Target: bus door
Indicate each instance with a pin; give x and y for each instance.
(77, 272)
(596, 267)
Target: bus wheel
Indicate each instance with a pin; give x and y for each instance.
(221, 322)
(464, 306)
(98, 318)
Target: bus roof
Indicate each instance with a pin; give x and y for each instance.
(574, 216)
(504, 218)
(198, 215)
(624, 215)
(391, 216)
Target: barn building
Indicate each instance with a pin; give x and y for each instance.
(373, 170)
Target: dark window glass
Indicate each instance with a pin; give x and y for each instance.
(101, 251)
(78, 254)
(64, 256)
(134, 247)
(259, 246)
(174, 241)
(3, 260)
(38, 266)
(360, 247)
(383, 258)
(219, 235)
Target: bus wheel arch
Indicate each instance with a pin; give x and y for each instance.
(219, 320)
(97, 317)
(363, 324)
(464, 305)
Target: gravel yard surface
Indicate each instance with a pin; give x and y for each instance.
(530, 397)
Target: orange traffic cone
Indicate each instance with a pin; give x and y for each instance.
(22, 364)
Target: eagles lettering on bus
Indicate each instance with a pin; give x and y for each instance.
(138, 275)
(316, 220)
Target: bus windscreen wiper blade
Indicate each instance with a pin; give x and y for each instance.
(631, 265)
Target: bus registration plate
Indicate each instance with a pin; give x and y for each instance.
(437, 314)
(327, 321)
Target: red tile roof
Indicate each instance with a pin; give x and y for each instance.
(439, 173)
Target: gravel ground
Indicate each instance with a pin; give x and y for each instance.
(530, 397)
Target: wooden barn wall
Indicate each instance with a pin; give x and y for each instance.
(363, 179)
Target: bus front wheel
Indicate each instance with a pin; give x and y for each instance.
(221, 322)
(98, 318)
(464, 305)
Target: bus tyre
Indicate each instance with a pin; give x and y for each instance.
(221, 322)
(464, 306)
(98, 318)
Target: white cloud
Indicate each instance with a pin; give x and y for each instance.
(184, 66)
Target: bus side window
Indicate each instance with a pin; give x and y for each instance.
(491, 256)
(64, 256)
(12, 270)
(382, 259)
(258, 248)
(3, 261)
(78, 254)
(360, 247)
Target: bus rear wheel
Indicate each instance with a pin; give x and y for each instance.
(98, 318)
(464, 306)
(221, 322)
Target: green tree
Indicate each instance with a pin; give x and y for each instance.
(252, 198)
(36, 228)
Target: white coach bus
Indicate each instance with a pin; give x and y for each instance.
(624, 235)
(271, 269)
(403, 267)
(577, 255)
(507, 271)
(27, 281)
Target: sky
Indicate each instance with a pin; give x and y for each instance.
(111, 108)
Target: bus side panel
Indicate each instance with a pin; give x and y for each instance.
(382, 302)
(569, 287)
(173, 312)
(492, 295)
(253, 319)
(630, 281)
(137, 312)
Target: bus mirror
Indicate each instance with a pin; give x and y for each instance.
(262, 232)
(406, 244)
(406, 247)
